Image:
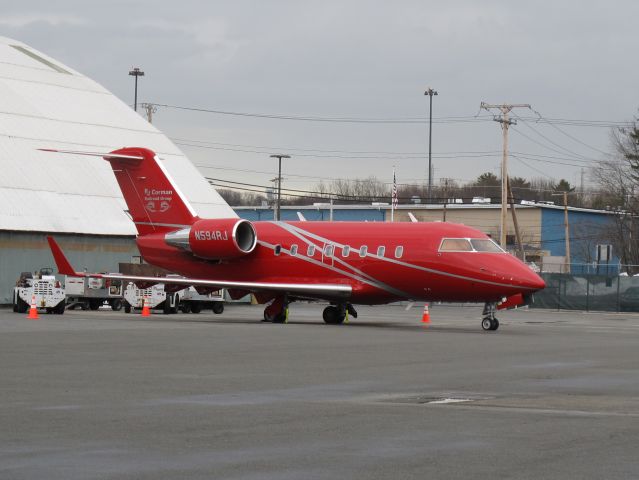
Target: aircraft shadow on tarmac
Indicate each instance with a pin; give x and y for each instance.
(449, 327)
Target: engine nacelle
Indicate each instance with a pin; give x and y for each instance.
(216, 239)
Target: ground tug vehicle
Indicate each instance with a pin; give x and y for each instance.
(42, 288)
(159, 296)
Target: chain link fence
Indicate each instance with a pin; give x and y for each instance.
(609, 293)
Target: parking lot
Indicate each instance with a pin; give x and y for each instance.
(102, 394)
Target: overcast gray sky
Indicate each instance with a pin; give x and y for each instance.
(362, 59)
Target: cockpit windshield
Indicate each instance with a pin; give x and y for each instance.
(455, 245)
(485, 245)
(469, 245)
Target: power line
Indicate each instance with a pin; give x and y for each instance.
(574, 158)
(416, 182)
(268, 148)
(346, 119)
(315, 118)
(570, 152)
(398, 156)
(516, 157)
(570, 136)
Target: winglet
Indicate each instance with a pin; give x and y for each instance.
(64, 267)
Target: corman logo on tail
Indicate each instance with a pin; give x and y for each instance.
(157, 200)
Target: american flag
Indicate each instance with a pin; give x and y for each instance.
(394, 195)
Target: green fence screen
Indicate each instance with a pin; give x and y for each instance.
(589, 292)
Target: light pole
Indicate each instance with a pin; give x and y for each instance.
(430, 92)
(279, 156)
(136, 72)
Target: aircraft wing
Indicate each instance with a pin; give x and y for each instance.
(319, 290)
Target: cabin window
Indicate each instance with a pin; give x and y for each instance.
(363, 251)
(346, 250)
(455, 245)
(399, 251)
(328, 250)
(311, 250)
(381, 251)
(485, 245)
(293, 250)
(278, 249)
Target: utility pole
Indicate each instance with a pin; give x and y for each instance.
(505, 121)
(445, 199)
(567, 231)
(520, 245)
(567, 226)
(150, 110)
(279, 156)
(430, 92)
(136, 72)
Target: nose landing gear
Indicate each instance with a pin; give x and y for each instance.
(489, 321)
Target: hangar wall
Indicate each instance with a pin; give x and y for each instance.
(29, 251)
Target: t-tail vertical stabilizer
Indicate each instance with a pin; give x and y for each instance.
(155, 203)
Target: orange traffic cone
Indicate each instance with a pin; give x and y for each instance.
(426, 314)
(33, 311)
(146, 311)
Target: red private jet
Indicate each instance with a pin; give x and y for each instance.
(344, 263)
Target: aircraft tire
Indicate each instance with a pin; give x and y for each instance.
(332, 316)
(487, 324)
(281, 317)
(495, 324)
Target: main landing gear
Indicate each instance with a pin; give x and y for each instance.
(277, 311)
(336, 314)
(489, 322)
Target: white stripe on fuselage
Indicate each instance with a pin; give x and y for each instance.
(368, 281)
(292, 228)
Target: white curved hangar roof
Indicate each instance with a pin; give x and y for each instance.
(45, 104)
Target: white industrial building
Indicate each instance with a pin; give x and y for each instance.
(46, 104)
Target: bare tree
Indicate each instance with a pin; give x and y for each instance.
(618, 179)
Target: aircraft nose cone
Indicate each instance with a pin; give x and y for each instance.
(533, 281)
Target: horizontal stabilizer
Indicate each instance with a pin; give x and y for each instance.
(105, 155)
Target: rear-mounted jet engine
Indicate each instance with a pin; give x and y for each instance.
(215, 239)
